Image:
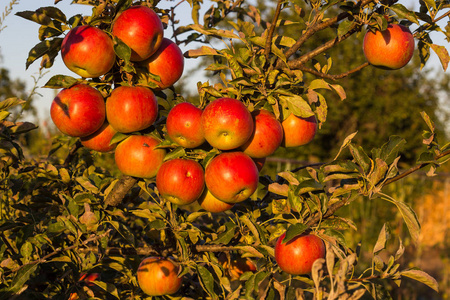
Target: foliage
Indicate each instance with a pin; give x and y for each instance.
(62, 217)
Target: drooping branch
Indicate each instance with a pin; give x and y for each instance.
(120, 189)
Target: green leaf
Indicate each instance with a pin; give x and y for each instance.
(22, 277)
(409, 216)
(293, 231)
(195, 215)
(389, 151)
(123, 231)
(176, 153)
(361, 158)
(403, 13)
(421, 276)
(381, 241)
(344, 27)
(443, 55)
(61, 81)
(35, 16)
(86, 183)
(107, 287)
(206, 280)
(226, 236)
(202, 51)
(47, 47)
(297, 105)
(121, 49)
(10, 102)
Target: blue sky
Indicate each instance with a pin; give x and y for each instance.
(20, 36)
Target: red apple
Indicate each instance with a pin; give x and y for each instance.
(227, 123)
(180, 181)
(158, 276)
(141, 29)
(167, 62)
(137, 156)
(131, 108)
(231, 177)
(267, 135)
(100, 140)
(389, 49)
(184, 125)
(88, 51)
(210, 203)
(78, 111)
(297, 256)
(298, 131)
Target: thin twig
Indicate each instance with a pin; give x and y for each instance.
(59, 250)
(416, 168)
(318, 27)
(331, 76)
(271, 31)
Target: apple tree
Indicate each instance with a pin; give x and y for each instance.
(145, 194)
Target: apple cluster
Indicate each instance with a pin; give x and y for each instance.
(244, 140)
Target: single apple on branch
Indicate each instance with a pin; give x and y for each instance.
(210, 203)
(100, 140)
(297, 256)
(158, 276)
(389, 49)
(267, 135)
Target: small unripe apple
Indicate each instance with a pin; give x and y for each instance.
(88, 51)
(389, 49)
(297, 256)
